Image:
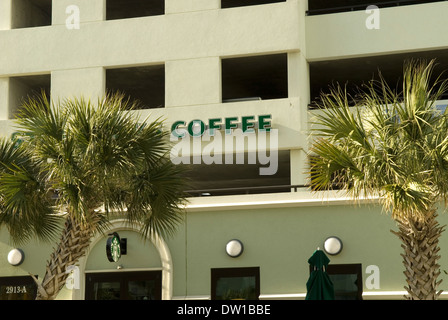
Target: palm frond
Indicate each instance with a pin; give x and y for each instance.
(156, 197)
(94, 155)
(390, 143)
(25, 208)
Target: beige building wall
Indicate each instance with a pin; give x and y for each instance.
(401, 29)
(190, 40)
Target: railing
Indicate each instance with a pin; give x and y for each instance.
(440, 105)
(358, 7)
(245, 190)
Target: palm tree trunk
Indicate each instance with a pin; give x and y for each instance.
(420, 241)
(72, 246)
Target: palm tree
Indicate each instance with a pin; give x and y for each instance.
(393, 146)
(80, 166)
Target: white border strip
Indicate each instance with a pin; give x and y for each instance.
(301, 296)
(289, 199)
(366, 294)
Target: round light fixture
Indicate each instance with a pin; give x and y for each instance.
(234, 248)
(333, 245)
(16, 257)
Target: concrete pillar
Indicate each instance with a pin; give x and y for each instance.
(5, 14)
(193, 82)
(298, 165)
(298, 88)
(89, 83)
(4, 98)
(298, 78)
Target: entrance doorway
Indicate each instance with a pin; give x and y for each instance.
(143, 285)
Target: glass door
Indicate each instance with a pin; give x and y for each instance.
(145, 285)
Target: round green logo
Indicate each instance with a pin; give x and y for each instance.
(113, 248)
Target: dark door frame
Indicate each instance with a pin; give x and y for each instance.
(123, 278)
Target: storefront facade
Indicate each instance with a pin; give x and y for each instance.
(194, 265)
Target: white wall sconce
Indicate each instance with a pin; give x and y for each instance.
(16, 257)
(333, 245)
(234, 248)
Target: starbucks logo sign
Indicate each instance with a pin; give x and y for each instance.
(113, 247)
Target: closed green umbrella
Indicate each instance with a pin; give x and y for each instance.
(319, 285)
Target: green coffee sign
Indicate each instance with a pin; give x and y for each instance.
(198, 127)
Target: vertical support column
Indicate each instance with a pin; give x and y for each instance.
(298, 165)
(4, 99)
(294, 74)
(179, 6)
(5, 14)
(193, 82)
(298, 89)
(89, 83)
(298, 78)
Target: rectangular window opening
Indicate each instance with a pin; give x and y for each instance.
(125, 9)
(27, 87)
(30, 13)
(235, 179)
(235, 283)
(144, 84)
(261, 77)
(242, 3)
(139, 285)
(330, 73)
(347, 280)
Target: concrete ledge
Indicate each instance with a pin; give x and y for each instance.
(272, 200)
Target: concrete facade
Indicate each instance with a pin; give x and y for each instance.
(280, 231)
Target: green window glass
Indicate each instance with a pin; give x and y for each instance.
(235, 283)
(347, 281)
